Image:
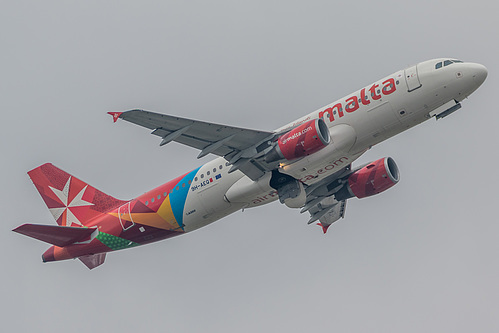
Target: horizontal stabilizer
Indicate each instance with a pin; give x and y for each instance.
(54, 234)
(94, 260)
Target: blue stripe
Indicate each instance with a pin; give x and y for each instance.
(178, 197)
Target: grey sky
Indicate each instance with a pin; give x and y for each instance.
(420, 257)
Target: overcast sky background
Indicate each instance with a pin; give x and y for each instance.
(421, 257)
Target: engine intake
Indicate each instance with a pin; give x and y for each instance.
(374, 178)
(303, 140)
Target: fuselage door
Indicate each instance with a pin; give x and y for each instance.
(412, 78)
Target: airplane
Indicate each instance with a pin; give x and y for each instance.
(306, 165)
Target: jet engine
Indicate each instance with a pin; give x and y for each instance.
(374, 178)
(303, 140)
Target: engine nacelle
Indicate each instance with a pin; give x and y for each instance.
(303, 140)
(374, 178)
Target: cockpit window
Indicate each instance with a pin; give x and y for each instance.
(447, 63)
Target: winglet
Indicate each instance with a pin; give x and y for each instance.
(324, 227)
(115, 115)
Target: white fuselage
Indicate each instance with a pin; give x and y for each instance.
(356, 123)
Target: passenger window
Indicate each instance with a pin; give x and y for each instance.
(447, 62)
(439, 65)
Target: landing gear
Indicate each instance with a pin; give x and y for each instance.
(291, 191)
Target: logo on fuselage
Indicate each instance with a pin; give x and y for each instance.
(326, 169)
(353, 103)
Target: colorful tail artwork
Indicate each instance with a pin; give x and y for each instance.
(71, 201)
(92, 223)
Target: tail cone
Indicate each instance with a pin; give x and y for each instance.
(48, 255)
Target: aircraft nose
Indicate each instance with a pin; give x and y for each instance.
(479, 74)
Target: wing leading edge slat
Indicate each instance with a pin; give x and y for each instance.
(163, 125)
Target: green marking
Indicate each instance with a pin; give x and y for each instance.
(114, 242)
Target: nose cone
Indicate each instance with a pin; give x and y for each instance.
(479, 74)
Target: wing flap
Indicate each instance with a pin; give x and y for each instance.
(54, 234)
(321, 202)
(334, 213)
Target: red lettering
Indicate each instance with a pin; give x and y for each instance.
(363, 97)
(339, 108)
(389, 87)
(374, 93)
(331, 111)
(307, 178)
(352, 105)
(340, 161)
(324, 170)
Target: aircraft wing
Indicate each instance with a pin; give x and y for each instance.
(240, 146)
(321, 202)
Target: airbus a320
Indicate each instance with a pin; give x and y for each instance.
(306, 165)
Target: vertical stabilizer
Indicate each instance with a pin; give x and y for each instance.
(71, 201)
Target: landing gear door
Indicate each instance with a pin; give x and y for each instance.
(412, 78)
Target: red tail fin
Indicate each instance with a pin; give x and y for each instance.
(71, 201)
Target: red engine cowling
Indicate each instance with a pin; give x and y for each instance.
(374, 178)
(303, 140)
